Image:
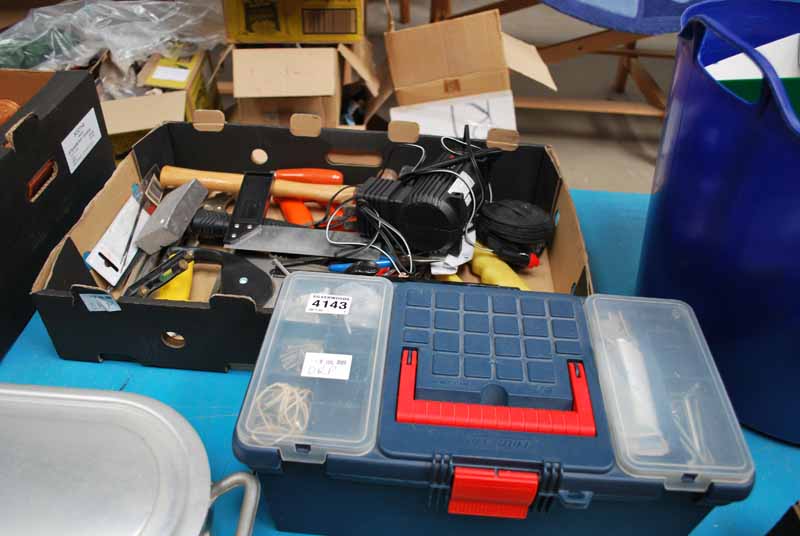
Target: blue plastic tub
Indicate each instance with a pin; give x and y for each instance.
(723, 231)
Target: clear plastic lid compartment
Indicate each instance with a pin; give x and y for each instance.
(669, 414)
(316, 385)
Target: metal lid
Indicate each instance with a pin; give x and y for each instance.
(84, 462)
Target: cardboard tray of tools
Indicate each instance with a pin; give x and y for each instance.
(214, 331)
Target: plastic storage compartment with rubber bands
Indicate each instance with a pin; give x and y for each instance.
(315, 387)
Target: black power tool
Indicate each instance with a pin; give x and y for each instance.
(431, 206)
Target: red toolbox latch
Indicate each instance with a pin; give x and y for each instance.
(492, 493)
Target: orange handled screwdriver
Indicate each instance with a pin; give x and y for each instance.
(295, 210)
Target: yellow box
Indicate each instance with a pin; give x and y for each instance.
(294, 21)
(190, 73)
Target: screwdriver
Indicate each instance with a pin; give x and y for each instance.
(295, 210)
(342, 267)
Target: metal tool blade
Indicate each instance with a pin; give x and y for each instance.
(299, 241)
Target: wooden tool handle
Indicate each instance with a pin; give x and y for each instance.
(172, 177)
(217, 181)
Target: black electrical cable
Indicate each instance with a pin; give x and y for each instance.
(330, 203)
(478, 174)
(390, 241)
(359, 249)
(450, 162)
(514, 230)
(385, 157)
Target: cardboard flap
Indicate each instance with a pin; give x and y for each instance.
(403, 131)
(223, 57)
(360, 59)
(305, 125)
(69, 268)
(285, 72)
(143, 113)
(209, 120)
(448, 49)
(568, 250)
(386, 90)
(23, 135)
(523, 58)
(147, 69)
(502, 138)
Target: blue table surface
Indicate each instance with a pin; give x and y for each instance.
(612, 224)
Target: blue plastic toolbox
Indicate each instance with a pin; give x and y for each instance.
(381, 408)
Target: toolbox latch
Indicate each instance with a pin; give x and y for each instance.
(493, 492)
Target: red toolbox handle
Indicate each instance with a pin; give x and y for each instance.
(579, 421)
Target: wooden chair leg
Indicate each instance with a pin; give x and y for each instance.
(440, 10)
(652, 92)
(505, 6)
(405, 11)
(586, 45)
(623, 69)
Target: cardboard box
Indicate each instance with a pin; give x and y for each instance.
(13, 11)
(217, 330)
(55, 155)
(272, 84)
(789, 524)
(463, 57)
(189, 84)
(294, 21)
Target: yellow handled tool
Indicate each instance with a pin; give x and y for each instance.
(490, 270)
(180, 288)
(493, 271)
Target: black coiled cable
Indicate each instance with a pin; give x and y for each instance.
(514, 230)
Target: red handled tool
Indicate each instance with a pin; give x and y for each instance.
(295, 210)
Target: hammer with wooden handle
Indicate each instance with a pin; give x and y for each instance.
(218, 181)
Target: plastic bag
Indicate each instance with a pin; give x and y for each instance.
(70, 34)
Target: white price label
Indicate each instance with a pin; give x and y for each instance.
(81, 140)
(172, 74)
(327, 366)
(102, 303)
(328, 304)
(463, 187)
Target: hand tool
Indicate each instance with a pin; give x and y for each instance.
(162, 274)
(237, 276)
(295, 210)
(448, 278)
(343, 267)
(172, 217)
(144, 186)
(247, 230)
(179, 288)
(284, 185)
(490, 269)
(273, 236)
(107, 258)
(494, 271)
